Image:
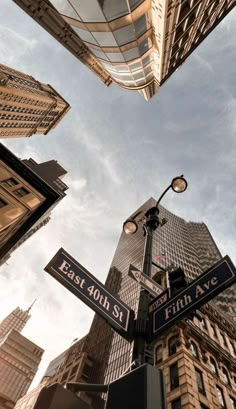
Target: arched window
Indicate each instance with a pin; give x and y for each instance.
(172, 345)
(158, 353)
(194, 350)
(226, 376)
(213, 366)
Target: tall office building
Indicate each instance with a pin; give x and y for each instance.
(28, 193)
(19, 358)
(28, 107)
(136, 44)
(198, 357)
(15, 320)
(188, 245)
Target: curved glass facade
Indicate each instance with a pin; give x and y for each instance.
(121, 42)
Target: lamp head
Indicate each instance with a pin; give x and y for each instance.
(179, 184)
(130, 226)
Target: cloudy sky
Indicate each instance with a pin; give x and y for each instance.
(118, 150)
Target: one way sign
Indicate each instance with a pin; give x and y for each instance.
(145, 281)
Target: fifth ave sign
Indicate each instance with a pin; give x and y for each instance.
(192, 297)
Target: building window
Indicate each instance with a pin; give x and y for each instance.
(194, 350)
(176, 404)
(200, 382)
(221, 398)
(203, 322)
(226, 376)
(21, 192)
(174, 376)
(213, 366)
(233, 347)
(213, 331)
(10, 182)
(65, 376)
(74, 370)
(2, 203)
(158, 354)
(233, 402)
(172, 345)
(223, 339)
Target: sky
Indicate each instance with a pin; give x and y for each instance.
(118, 150)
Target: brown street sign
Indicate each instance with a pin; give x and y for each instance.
(198, 292)
(92, 292)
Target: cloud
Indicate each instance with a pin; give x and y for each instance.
(118, 151)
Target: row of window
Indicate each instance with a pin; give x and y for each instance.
(115, 38)
(14, 108)
(174, 383)
(172, 349)
(20, 192)
(10, 97)
(95, 11)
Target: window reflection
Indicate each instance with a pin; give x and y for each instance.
(140, 26)
(85, 35)
(88, 10)
(99, 53)
(65, 8)
(105, 39)
(115, 57)
(134, 3)
(125, 34)
(113, 8)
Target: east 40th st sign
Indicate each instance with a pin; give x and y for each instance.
(91, 291)
(197, 293)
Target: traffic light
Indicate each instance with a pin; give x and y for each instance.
(57, 397)
(177, 281)
(142, 388)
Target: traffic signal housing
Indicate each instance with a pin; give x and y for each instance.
(177, 281)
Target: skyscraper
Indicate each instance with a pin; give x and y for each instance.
(188, 245)
(15, 320)
(28, 193)
(137, 44)
(27, 106)
(200, 350)
(19, 358)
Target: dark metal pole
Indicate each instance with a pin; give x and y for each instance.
(150, 225)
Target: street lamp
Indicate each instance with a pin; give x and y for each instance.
(150, 223)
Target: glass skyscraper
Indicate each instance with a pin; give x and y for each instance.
(136, 44)
(189, 345)
(188, 245)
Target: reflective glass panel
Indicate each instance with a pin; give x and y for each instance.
(125, 34)
(105, 39)
(64, 8)
(85, 35)
(131, 54)
(140, 26)
(136, 66)
(99, 54)
(113, 8)
(146, 60)
(134, 3)
(115, 57)
(88, 10)
(139, 75)
(143, 47)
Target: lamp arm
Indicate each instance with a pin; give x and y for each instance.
(163, 194)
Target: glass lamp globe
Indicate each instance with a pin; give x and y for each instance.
(179, 184)
(130, 226)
